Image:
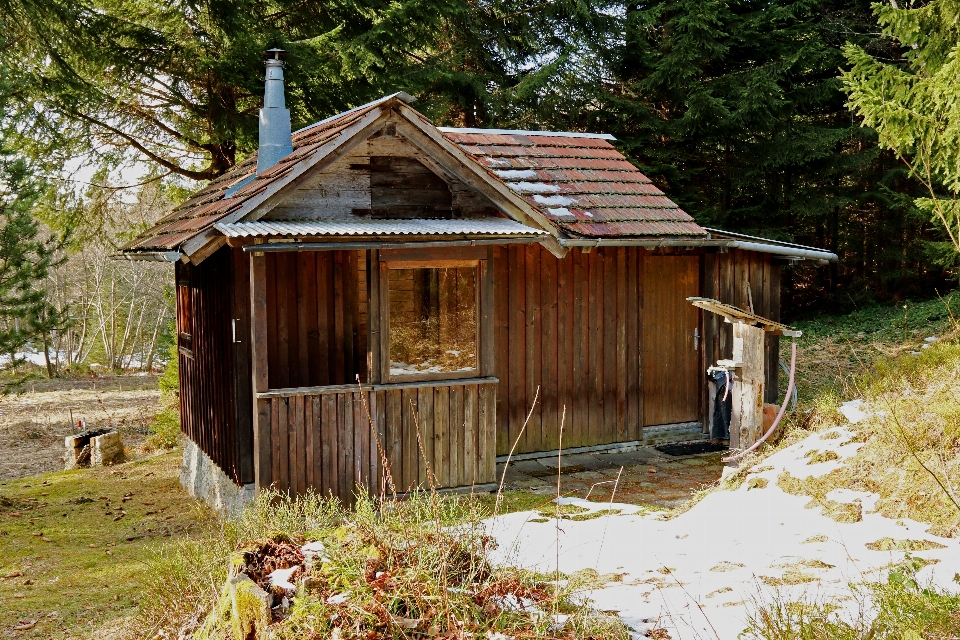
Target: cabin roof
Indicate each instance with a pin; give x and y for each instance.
(209, 205)
(578, 182)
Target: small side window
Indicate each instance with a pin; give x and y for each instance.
(184, 317)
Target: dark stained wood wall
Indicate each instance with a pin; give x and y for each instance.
(571, 327)
(208, 379)
(670, 357)
(726, 277)
(316, 318)
(333, 441)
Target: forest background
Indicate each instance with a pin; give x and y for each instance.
(112, 111)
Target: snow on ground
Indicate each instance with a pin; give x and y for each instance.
(698, 574)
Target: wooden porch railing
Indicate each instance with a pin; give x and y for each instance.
(330, 439)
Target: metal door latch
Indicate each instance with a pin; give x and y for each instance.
(696, 339)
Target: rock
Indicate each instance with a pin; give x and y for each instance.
(107, 450)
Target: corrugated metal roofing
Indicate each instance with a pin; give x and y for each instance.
(361, 227)
(581, 184)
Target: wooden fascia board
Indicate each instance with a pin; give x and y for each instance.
(258, 206)
(429, 140)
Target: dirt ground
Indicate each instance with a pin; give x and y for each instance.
(34, 423)
(645, 477)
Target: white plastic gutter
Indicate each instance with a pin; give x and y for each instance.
(791, 252)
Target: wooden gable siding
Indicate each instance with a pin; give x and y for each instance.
(386, 176)
(316, 318)
(209, 380)
(726, 277)
(572, 328)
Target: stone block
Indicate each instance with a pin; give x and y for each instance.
(97, 448)
(107, 450)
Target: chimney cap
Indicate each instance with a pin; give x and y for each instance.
(274, 54)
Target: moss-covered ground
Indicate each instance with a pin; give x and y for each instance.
(75, 546)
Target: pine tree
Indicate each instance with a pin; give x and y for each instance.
(178, 85)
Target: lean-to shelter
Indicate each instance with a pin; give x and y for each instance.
(384, 294)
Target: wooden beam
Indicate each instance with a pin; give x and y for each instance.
(262, 447)
(746, 423)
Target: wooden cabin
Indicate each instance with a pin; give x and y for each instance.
(394, 296)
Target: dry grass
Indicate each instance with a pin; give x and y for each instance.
(391, 569)
(911, 455)
(34, 423)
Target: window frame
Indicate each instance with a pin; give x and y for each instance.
(477, 257)
(184, 310)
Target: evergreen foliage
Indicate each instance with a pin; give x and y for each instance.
(25, 255)
(913, 101)
(736, 108)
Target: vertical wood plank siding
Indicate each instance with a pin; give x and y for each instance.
(316, 318)
(570, 327)
(334, 443)
(210, 383)
(574, 329)
(725, 278)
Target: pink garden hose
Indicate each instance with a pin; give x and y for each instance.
(783, 408)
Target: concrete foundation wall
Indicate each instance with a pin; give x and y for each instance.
(206, 481)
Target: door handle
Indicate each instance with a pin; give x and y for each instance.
(696, 339)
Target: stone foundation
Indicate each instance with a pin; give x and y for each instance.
(206, 481)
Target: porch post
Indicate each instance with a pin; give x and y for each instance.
(262, 453)
(746, 423)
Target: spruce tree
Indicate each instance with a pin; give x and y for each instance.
(913, 102)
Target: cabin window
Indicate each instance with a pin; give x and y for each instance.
(184, 317)
(433, 319)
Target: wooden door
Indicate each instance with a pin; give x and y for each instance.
(671, 362)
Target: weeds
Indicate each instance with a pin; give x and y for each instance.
(390, 569)
(896, 609)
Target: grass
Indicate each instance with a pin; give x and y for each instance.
(910, 459)
(414, 568)
(899, 608)
(911, 452)
(99, 530)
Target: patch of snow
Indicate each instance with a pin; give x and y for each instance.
(497, 162)
(516, 174)
(281, 578)
(340, 598)
(848, 496)
(533, 187)
(558, 201)
(762, 532)
(930, 339)
(851, 410)
(561, 211)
